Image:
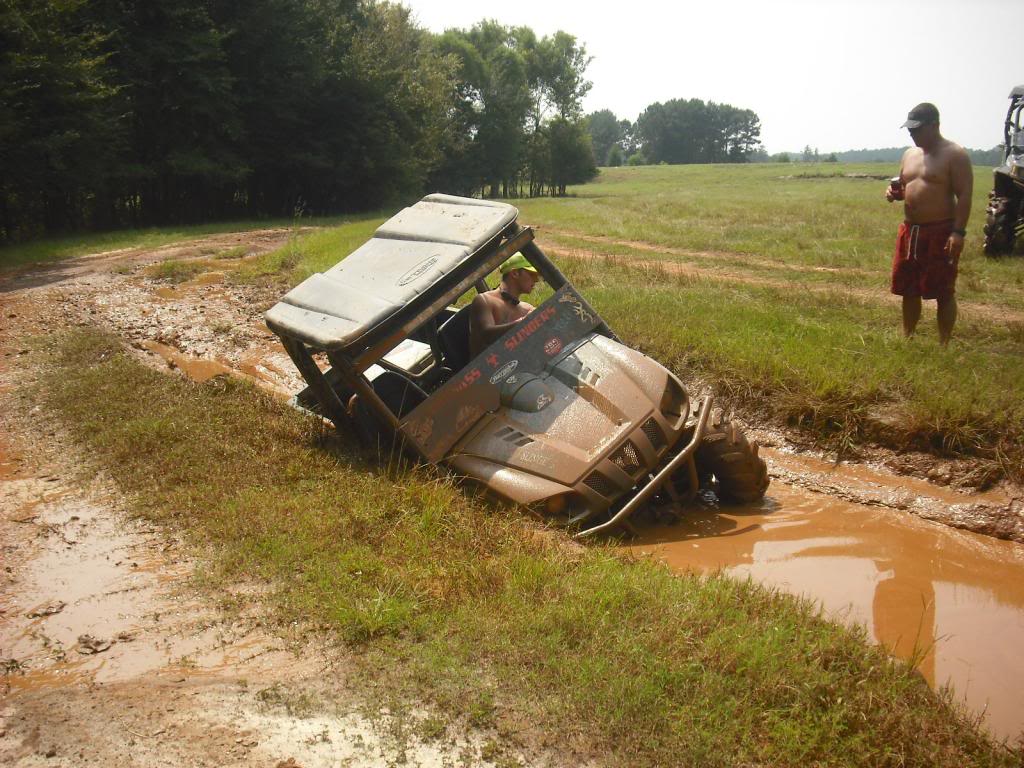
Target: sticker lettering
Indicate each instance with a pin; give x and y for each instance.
(528, 329)
(504, 371)
(418, 271)
(468, 379)
(552, 346)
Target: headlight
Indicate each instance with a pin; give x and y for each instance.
(674, 402)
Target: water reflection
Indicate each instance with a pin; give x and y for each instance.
(952, 599)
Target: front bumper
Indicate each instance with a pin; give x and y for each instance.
(644, 492)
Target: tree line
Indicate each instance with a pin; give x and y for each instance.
(992, 156)
(677, 131)
(138, 113)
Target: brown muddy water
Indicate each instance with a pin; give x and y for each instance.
(952, 598)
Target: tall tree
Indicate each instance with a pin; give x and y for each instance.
(510, 85)
(140, 112)
(560, 62)
(56, 118)
(273, 50)
(692, 131)
(572, 157)
(176, 93)
(606, 131)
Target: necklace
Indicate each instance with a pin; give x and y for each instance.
(506, 296)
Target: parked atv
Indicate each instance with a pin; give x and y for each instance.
(1004, 221)
(557, 414)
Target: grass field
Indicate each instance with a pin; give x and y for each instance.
(452, 601)
(770, 282)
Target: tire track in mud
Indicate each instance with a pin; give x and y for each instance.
(109, 655)
(989, 312)
(640, 245)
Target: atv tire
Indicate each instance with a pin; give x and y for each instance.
(1002, 221)
(727, 455)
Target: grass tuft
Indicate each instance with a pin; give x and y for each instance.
(176, 270)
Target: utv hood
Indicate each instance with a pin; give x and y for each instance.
(557, 424)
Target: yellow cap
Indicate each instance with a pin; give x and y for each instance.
(517, 262)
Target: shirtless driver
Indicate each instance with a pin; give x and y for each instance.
(496, 311)
(935, 183)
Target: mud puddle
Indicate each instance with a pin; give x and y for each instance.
(839, 534)
(952, 597)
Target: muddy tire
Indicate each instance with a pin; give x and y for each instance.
(727, 455)
(1002, 220)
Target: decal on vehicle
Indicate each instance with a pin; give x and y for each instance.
(468, 379)
(467, 415)
(543, 401)
(529, 328)
(479, 386)
(421, 430)
(577, 306)
(418, 271)
(552, 346)
(504, 371)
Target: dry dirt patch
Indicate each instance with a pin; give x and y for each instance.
(681, 266)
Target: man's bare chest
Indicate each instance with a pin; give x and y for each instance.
(931, 169)
(504, 312)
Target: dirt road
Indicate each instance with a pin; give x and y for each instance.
(110, 653)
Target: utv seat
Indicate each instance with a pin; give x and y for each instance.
(453, 336)
(399, 393)
(401, 396)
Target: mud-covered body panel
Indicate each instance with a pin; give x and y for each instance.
(600, 433)
(520, 356)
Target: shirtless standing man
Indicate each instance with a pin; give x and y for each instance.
(496, 311)
(936, 181)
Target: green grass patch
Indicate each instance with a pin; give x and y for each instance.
(312, 252)
(176, 270)
(462, 602)
(829, 216)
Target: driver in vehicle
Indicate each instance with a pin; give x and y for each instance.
(496, 311)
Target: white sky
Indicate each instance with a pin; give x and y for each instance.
(833, 74)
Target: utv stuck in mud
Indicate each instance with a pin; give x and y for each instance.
(557, 414)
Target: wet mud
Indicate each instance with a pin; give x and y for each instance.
(109, 653)
(951, 600)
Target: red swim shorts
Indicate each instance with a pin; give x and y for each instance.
(920, 266)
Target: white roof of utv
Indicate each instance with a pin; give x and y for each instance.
(406, 255)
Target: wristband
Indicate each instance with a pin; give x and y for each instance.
(961, 232)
